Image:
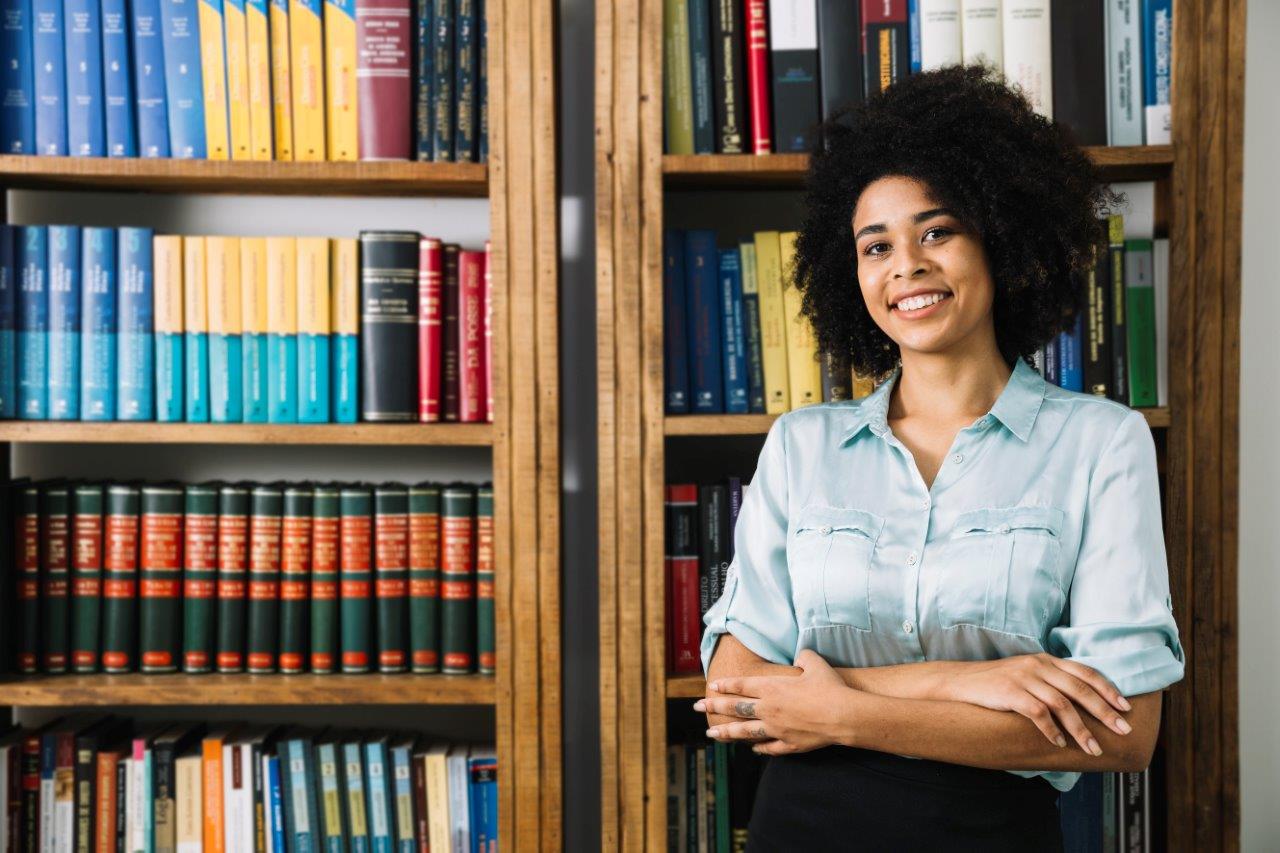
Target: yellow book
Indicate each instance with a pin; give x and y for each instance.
(281, 86)
(313, 330)
(259, 70)
(773, 335)
(189, 786)
(195, 310)
(169, 342)
(340, 78)
(804, 369)
(213, 70)
(253, 321)
(282, 330)
(237, 56)
(862, 385)
(344, 316)
(226, 391)
(306, 70)
(437, 773)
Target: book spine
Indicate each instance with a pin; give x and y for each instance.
(183, 77)
(449, 332)
(190, 795)
(773, 330)
(55, 553)
(383, 35)
(306, 74)
(355, 556)
(751, 329)
(757, 26)
(700, 76)
(199, 577)
(295, 578)
(49, 52)
(840, 71)
(457, 579)
(939, 29)
(682, 577)
(403, 798)
(388, 333)
(886, 53)
(33, 322)
(424, 577)
(236, 41)
(677, 78)
(353, 777)
(195, 308)
(86, 765)
(120, 579)
(674, 322)
(86, 577)
(837, 377)
(313, 330)
(282, 329)
(29, 837)
(482, 142)
(233, 561)
(727, 75)
(1028, 61)
(1097, 334)
(17, 109)
(104, 816)
(1140, 308)
(8, 315)
(1118, 389)
(64, 805)
(253, 326)
(424, 78)
(64, 322)
(265, 521)
(276, 805)
(345, 318)
(117, 83)
(704, 323)
(83, 43)
(731, 313)
(213, 61)
(258, 54)
(148, 61)
(391, 558)
(281, 80)
(471, 368)
(27, 547)
(980, 33)
(135, 360)
(324, 580)
(805, 374)
(466, 49)
(420, 804)
(430, 320)
(214, 821)
(486, 632)
(341, 58)
(160, 587)
(1079, 68)
(169, 327)
(1157, 68)
(164, 797)
(487, 350)
(330, 798)
(793, 35)
(1124, 69)
(226, 361)
(1071, 356)
(378, 809)
(711, 548)
(442, 63)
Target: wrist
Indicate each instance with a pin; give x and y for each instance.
(852, 725)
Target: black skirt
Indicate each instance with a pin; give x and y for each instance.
(840, 798)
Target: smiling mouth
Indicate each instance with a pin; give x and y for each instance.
(918, 303)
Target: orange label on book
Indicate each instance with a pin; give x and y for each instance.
(425, 658)
(115, 660)
(264, 543)
(391, 658)
(393, 542)
(118, 589)
(321, 661)
(263, 590)
(29, 536)
(157, 658)
(196, 660)
(233, 536)
(161, 541)
(424, 540)
(293, 591)
(291, 661)
(324, 544)
(324, 590)
(122, 543)
(390, 588)
(424, 588)
(194, 589)
(295, 545)
(484, 589)
(56, 539)
(160, 588)
(88, 542)
(87, 587)
(355, 541)
(201, 536)
(260, 660)
(456, 589)
(458, 660)
(230, 588)
(355, 659)
(355, 589)
(457, 553)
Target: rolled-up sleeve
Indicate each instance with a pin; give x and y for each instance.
(1119, 620)
(756, 603)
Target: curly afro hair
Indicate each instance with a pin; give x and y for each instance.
(1017, 179)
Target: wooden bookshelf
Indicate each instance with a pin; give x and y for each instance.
(1198, 186)
(405, 435)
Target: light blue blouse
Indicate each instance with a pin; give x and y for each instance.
(1041, 533)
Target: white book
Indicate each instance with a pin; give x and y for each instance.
(1028, 51)
(135, 833)
(64, 808)
(459, 799)
(940, 42)
(1138, 208)
(189, 782)
(980, 33)
(1160, 279)
(46, 808)
(237, 795)
(1124, 73)
(268, 819)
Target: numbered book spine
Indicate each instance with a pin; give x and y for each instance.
(233, 561)
(120, 579)
(731, 315)
(388, 333)
(195, 307)
(86, 577)
(340, 60)
(466, 49)
(17, 108)
(313, 330)
(356, 554)
(226, 392)
(330, 805)
(391, 557)
(449, 362)
(402, 803)
(28, 568)
(471, 355)
(295, 577)
(184, 84)
(49, 51)
(8, 315)
(1124, 73)
(265, 521)
(160, 564)
(793, 32)
(1157, 68)
(430, 310)
(442, 61)
(457, 578)
(424, 577)
(135, 392)
(344, 317)
(86, 121)
(98, 324)
(424, 78)
(258, 38)
(325, 525)
(64, 322)
(213, 60)
(379, 810)
(306, 72)
(486, 636)
(33, 322)
(383, 30)
(55, 564)
(148, 79)
(199, 576)
(353, 782)
(282, 330)
(253, 328)
(236, 41)
(169, 342)
(281, 82)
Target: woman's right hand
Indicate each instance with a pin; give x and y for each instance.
(1044, 689)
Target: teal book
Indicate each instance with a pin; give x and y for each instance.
(253, 328)
(64, 323)
(282, 330)
(8, 308)
(330, 778)
(345, 330)
(353, 780)
(135, 359)
(195, 311)
(98, 325)
(226, 362)
(377, 761)
(313, 330)
(33, 322)
(169, 327)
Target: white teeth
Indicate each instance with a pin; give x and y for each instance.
(916, 302)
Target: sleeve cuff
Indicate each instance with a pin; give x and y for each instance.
(1138, 671)
(752, 639)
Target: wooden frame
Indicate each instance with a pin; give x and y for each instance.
(520, 182)
(1200, 178)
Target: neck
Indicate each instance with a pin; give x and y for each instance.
(949, 386)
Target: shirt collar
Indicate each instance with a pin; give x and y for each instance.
(1016, 407)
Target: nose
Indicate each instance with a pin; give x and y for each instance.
(909, 261)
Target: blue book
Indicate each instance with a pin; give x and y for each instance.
(379, 808)
(402, 762)
(330, 789)
(98, 322)
(64, 323)
(353, 779)
(300, 797)
(482, 776)
(117, 80)
(1051, 371)
(226, 387)
(18, 107)
(49, 53)
(135, 361)
(703, 323)
(674, 302)
(423, 116)
(8, 315)
(275, 802)
(254, 354)
(33, 322)
(282, 370)
(346, 370)
(735, 343)
(913, 34)
(86, 125)
(1157, 70)
(1071, 357)
(313, 379)
(148, 78)
(704, 114)
(754, 351)
(483, 92)
(184, 90)
(1080, 812)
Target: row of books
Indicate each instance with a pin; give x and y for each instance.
(757, 76)
(101, 324)
(245, 79)
(263, 578)
(103, 784)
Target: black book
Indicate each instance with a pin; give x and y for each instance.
(165, 749)
(8, 579)
(729, 77)
(465, 50)
(704, 125)
(837, 378)
(713, 524)
(104, 733)
(1079, 46)
(389, 325)
(1118, 390)
(793, 53)
(840, 61)
(886, 50)
(734, 487)
(1096, 357)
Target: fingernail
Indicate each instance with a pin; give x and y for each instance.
(715, 686)
(1094, 748)
(1061, 741)
(1124, 703)
(1123, 725)
(712, 733)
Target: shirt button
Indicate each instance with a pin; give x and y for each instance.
(925, 503)
(907, 626)
(958, 458)
(1004, 528)
(825, 531)
(911, 558)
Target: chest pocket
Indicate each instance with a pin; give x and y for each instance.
(1003, 571)
(830, 566)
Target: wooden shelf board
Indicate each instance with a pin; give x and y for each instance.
(217, 689)
(162, 175)
(686, 687)
(80, 432)
(708, 425)
(787, 171)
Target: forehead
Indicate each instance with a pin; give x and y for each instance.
(891, 198)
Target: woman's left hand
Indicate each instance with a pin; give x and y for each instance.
(784, 714)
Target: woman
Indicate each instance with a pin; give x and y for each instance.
(951, 597)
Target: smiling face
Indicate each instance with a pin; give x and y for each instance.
(923, 273)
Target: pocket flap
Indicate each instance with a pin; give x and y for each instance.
(827, 519)
(1005, 519)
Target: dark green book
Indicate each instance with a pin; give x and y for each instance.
(233, 561)
(295, 578)
(199, 576)
(423, 80)
(391, 557)
(1118, 390)
(27, 547)
(424, 577)
(486, 640)
(266, 517)
(1140, 302)
(325, 525)
(160, 584)
(55, 572)
(356, 551)
(466, 49)
(442, 98)
(87, 503)
(482, 95)
(9, 578)
(457, 578)
(120, 579)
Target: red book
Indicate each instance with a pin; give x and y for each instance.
(471, 392)
(383, 41)
(450, 361)
(488, 332)
(684, 615)
(430, 315)
(757, 21)
(418, 761)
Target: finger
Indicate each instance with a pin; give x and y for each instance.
(1086, 696)
(745, 730)
(808, 658)
(739, 686)
(1035, 711)
(1096, 680)
(729, 706)
(1067, 716)
(772, 747)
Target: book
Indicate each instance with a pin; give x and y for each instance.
(214, 800)
(885, 50)
(378, 794)
(400, 750)
(27, 567)
(313, 330)
(195, 310)
(183, 77)
(33, 322)
(388, 331)
(226, 359)
(165, 749)
(188, 809)
(939, 29)
(482, 773)
(704, 323)
(160, 578)
(391, 589)
(384, 42)
(1118, 381)
(793, 43)
(233, 562)
(466, 80)
(254, 342)
(674, 323)
(1027, 49)
(217, 131)
(266, 513)
(438, 821)
(486, 628)
(332, 826)
(757, 62)
(773, 322)
(355, 563)
(87, 505)
(236, 43)
(1124, 73)
(48, 51)
(699, 12)
(55, 570)
(341, 64)
(281, 80)
(1079, 69)
(199, 576)
(17, 107)
(1140, 310)
(424, 577)
(459, 824)
(728, 76)
(733, 336)
(423, 79)
(135, 358)
(257, 28)
(1157, 71)
(840, 65)
(120, 578)
(684, 624)
(677, 78)
(1096, 343)
(470, 336)
(450, 328)
(442, 64)
(430, 322)
(118, 79)
(804, 372)
(751, 329)
(306, 77)
(344, 317)
(324, 565)
(355, 811)
(167, 250)
(282, 329)
(8, 317)
(146, 32)
(63, 282)
(1160, 285)
(295, 577)
(83, 45)
(457, 578)
(980, 36)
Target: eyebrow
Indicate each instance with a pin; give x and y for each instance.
(879, 227)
